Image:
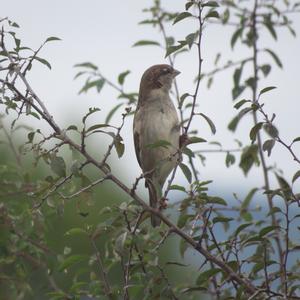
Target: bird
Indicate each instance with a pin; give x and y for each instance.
(156, 131)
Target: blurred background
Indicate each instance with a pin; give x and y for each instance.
(103, 33)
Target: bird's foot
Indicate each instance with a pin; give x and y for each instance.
(184, 140)
(163, 203)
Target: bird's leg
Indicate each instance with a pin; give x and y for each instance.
(183, 140)
(163, 203)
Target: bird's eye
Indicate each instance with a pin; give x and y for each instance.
(165, 70)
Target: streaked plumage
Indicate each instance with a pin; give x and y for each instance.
(156, 119)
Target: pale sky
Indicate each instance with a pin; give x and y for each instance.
(103, 32)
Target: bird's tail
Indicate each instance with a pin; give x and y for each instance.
(154, 202)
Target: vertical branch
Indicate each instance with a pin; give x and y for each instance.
(259, 139)
(287, 249)
(195, 95)
(103, 273)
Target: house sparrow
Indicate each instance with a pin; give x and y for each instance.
(156, 120)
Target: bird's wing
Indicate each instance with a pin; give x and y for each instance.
(136, 138)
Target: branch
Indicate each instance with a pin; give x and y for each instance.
(103, 273)
(259, 140)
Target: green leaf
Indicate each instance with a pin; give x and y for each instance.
(235, 36)
(43, 61)
(189, 4)
(87, 65)
(182, 98)
(72, 127)
(206, 275)
(188, 152)
(284, 186)
(98, 83)
(255, 129)
(237, 91)
(75, 231)
(248, 198)
(275, 57)
(229, 160)
(221, 220)
(122, 77)
(119, 145)
(190, 39)
(14, 24)
(268, 146)
(296, 176)
(266, 89)
(71, 260)
(186, 171)
(241, 103)
(274, 210)
(177, 187)
(58, 166)
(269, 25)
(52, 38)
(146, 43)
(248, 158)
(176, 263)
(247, 216)
(212, 14)
(210, 4)
(97, 126)
(195, 139)
(112, 112)
(235, 121)
(237, 76)
(271, 130)
(30, 136)
(210, 123)
(182, 16)
(267, 230)
(193, 289)
(241, 227)
(297, 139)
(173, 49)
(216, 200)
(265, 69)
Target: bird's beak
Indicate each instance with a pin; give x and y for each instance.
(175, 73)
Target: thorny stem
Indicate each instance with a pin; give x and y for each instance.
(195, 95)
(259, 142)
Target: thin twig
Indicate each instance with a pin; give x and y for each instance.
(259, 139)
(103, 273)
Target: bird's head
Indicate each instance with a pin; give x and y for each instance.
(157, 77)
